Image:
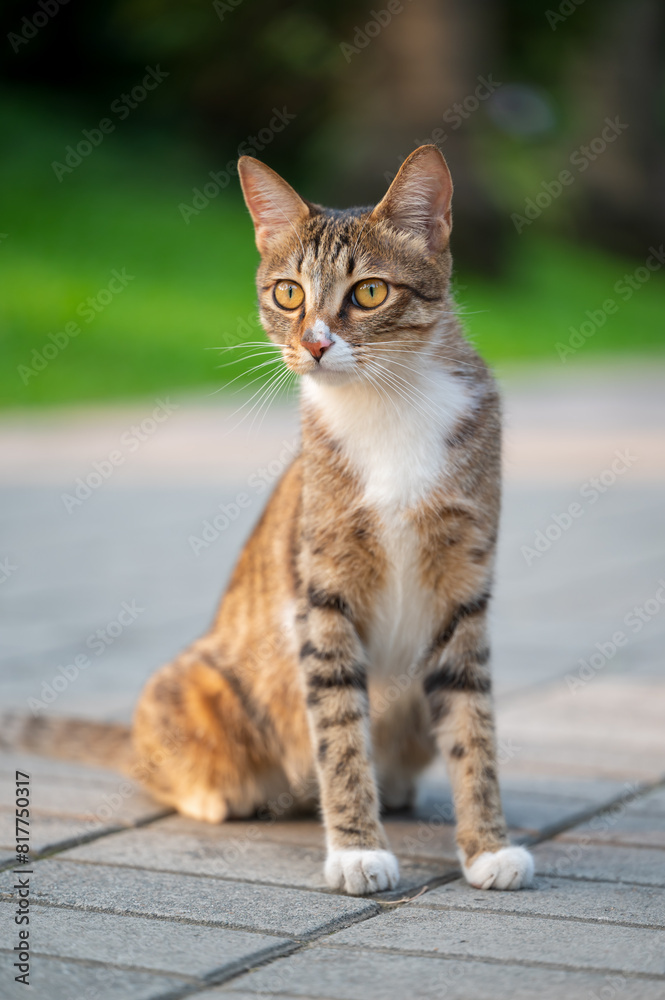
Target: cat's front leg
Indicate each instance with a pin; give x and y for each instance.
(457, 683)
(334, 673)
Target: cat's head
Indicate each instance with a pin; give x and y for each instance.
(337, 288)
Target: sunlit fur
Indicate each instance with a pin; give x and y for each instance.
(352, 643)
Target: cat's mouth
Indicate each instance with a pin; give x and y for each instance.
(330, 360)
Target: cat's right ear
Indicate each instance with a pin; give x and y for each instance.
(274, 206)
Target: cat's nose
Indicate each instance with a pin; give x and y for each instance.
(317, 347)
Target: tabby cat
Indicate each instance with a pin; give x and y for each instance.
(351, 644)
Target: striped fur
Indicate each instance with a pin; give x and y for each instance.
(352, 642)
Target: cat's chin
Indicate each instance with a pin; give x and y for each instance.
(331, 376)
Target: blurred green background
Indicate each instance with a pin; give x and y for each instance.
(510, 90)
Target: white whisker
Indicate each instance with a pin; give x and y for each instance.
(245, 343)
(225, 385)
(259, 392)
(270, 395)
(285, 384)
(431, 410)
(444, 357)
(251, 381)
(254, 368)
(405, 384)
(413, 390)
(246, 357)
(410, 368)
(382, 392)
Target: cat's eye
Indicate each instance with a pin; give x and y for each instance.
(288, 294)
(369, 294)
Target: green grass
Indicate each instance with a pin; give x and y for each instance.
(193, 284)
(553, 286)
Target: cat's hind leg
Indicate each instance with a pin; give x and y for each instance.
(202, 743)
(403, 745)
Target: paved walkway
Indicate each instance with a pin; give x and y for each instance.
(131, 904)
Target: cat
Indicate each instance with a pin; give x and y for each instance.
(351, 645)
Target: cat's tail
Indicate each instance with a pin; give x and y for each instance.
(103, 744)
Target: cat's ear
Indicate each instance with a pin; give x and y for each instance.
(274, 206)
(418, 200)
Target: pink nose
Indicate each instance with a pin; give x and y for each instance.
(316, 347)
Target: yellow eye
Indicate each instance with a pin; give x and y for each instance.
(370, 294)
(288, 294)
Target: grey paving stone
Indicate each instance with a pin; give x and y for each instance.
(133, 891)
(587, 790)
(429, 840)
(52, 979)
(572, 755)
(50, 770)
(153, 945)
(68, 801)
(513, 938)
(46, 829)
(242, 995)
(232, 850)
(632, 829)
(261, 852)
(527, 811)
(643, 866)
(520, 664)
(82, 795)
(585, 731)
(647, 654)
(552, 897)
(527, 781)
(86, 701)
(85, 809)
(531, 802)
(338, 974)
(654, 803)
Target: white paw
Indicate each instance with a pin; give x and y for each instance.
(509, 868)
(204, 805)
(361, 872)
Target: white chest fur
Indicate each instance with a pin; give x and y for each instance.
(403, 619)
(394, 440)
(396, 447)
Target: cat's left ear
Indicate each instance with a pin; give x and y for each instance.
(418, 200)
(274, 206)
